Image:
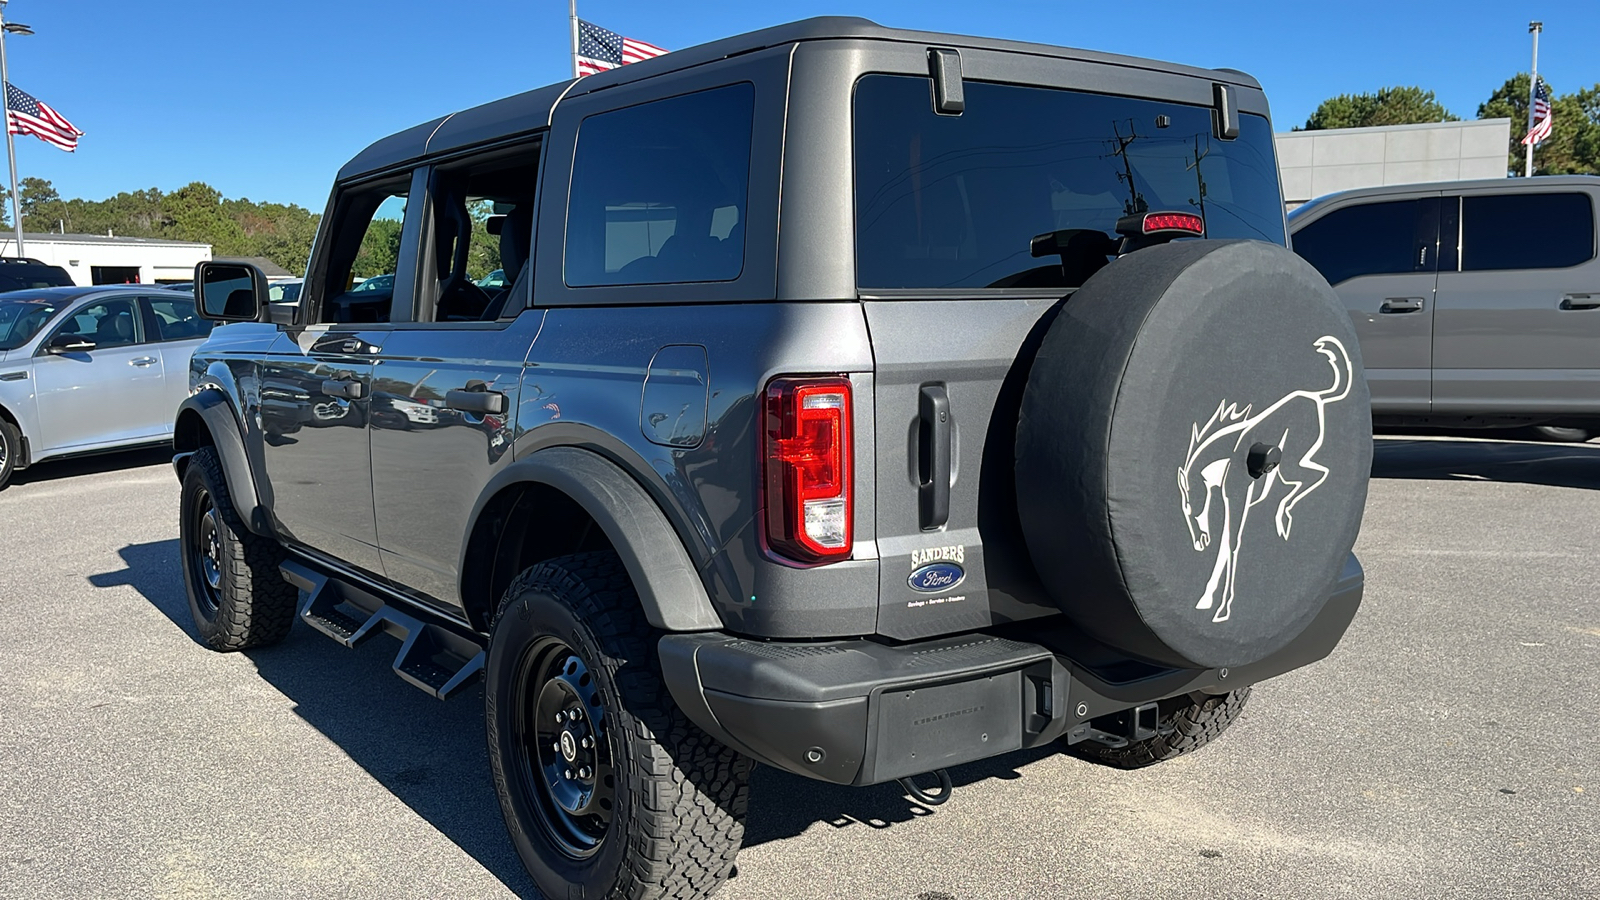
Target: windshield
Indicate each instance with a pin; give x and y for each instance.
(954, 201)
(20, 320)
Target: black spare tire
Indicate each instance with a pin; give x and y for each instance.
(1193, 452)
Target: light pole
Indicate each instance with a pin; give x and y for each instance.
(11, 145)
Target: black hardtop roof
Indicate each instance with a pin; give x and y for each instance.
(532, 110)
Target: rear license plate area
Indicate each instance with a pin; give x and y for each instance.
(926, 728)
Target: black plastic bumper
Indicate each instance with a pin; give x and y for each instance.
(863, 712)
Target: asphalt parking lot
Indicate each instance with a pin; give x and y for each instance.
(1449, 748)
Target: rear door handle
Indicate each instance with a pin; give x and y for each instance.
(1580, 301)
(348, 390)
(142, 361)
(1401, 305)
(476, 398)
(933, 456)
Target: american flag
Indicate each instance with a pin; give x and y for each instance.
(599, 49)
(26, 115)
(1541, 115)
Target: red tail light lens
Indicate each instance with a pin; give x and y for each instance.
(806, 468)
(1184, 222)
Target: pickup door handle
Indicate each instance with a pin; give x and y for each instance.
(1401, 305)
(1580, 301)
(349, 390)
(476, 398)
(933, 456)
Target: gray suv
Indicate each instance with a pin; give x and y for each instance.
(1477, 302)
(857, 401)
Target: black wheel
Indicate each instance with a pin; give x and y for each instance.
(607, 789)
(1563, 435)
(1187, 724)
(10, 451)
(237, 596)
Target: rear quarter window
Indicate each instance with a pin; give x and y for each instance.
(659, 191)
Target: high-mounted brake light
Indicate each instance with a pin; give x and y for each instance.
(1179, 223)
(806, 468)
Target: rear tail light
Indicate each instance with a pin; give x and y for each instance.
(806, 468)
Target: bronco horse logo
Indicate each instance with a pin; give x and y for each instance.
(1294, 427)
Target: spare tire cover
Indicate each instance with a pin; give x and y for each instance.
(1193, 451)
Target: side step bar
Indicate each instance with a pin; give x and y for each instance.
(434, 656)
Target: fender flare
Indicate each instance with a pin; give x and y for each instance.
(215, 411)
(662, 571)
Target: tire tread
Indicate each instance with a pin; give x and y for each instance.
(693, 794)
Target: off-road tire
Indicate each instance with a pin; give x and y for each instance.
(10, 451)
(1190, 725)
(680, 796)
(251, 606)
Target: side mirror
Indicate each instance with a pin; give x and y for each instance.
(230, 291)
(69, 343)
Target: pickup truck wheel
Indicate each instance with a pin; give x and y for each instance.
(1189, 724)
(237, 596)
(10, 450)
(607, 789)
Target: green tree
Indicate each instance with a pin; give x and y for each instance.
(42, 208)
(1389, 106)
(1573, 147)
(380, 249)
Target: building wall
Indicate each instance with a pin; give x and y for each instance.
(1315, 163)
(156, 260)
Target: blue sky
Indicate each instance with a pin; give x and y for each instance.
(267, 99)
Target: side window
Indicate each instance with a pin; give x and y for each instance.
(481, 236)
(1526, 231)
(1371, 239)
(109, 323)
(174, 319)
(356, 284)
(283, 292)
(659, 191)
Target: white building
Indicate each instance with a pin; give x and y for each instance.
(1315, 163)
(101, 259)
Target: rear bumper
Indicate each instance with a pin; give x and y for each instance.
(863, 712)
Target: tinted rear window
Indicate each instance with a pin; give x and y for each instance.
(659, 190)
(954, 201)
(1526, 231)
(1370, 239)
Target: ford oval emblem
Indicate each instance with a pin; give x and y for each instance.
(936, 577)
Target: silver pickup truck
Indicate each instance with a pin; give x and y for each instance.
(1477, 302)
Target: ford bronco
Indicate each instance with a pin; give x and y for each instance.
(859, 402)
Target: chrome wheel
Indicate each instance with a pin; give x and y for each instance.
(565, 757)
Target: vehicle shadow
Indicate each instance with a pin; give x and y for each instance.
(428, 754)
(784, 805)
(54, 469)
(431, 755)
(1556, 465)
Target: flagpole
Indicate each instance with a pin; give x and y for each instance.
(1533, 92)
(572, 13)
(11, 144)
